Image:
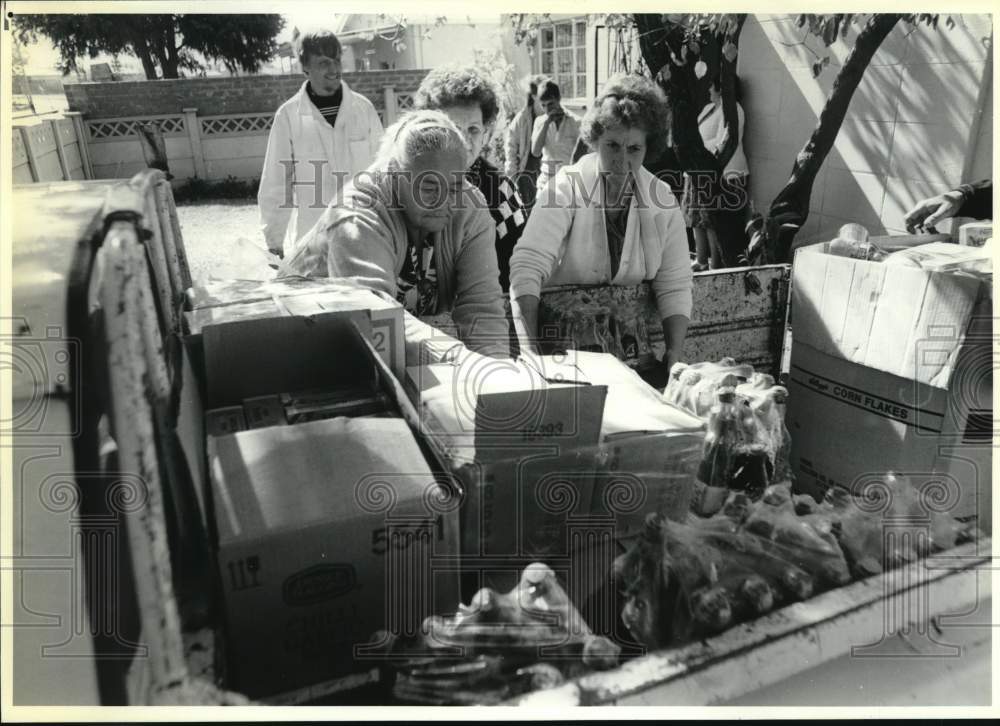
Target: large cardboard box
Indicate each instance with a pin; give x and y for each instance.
(524, 448)
(347, 492)
(605, 450)
(328, 531)
(891, 369)
(650, 448)
(224, 301)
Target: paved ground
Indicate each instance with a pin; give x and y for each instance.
(223, 239)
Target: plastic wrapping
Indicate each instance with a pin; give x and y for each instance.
(613, 319)
(760, 408)
(687, 581)
(801, 542)
(693, 386)
(245, 260)
(502, 644)
(883, 526)
(684, 581)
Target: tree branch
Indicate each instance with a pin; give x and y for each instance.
(790, 208)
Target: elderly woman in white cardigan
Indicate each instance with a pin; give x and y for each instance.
(607, 220)
(412, 229)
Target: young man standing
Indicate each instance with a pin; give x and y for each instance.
(517, 147)
(554, 135)
(320, 138)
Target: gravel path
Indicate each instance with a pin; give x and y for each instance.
(223, 239)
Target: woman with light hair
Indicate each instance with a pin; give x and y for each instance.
(411, 228)
(606, 220)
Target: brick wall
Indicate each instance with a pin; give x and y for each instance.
(219, 96)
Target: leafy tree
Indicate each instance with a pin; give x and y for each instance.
(167, 43)
(684, 52)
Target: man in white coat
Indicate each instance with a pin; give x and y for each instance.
(320, 138)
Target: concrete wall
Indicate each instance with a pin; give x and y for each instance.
(912, 129)
(48, 149)
(218, 96)
(200, 143)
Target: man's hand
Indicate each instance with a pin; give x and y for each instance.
(929, 212)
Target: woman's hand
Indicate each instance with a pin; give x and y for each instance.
(674, 331)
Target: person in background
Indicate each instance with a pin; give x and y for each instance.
(404, 230)
(468, 98)
(712, 125)
(969, 200)
(320, 137)
(611, 221)
(554, 134)
(517, 144)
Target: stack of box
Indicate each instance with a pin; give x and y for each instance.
(558, 454)
(328, 521)
(217, 302)
(891, 369)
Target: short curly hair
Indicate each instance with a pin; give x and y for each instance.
(458, 86)
(632, 101)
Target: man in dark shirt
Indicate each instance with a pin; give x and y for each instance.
(969, 200)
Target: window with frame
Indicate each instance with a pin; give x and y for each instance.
(562, 55)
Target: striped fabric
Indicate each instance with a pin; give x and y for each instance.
(328, 106)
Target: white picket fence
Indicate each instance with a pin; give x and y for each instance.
(212, 148)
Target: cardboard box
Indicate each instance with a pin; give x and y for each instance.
(524, 448)
(650, 448)
(975, 234)
(225, 420)
(327, 532)
(261, 411)
(891, 369)
(249, 358)
(226, 301)
(331, 355)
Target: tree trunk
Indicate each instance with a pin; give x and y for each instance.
(148, 66)
(790, 209)
(727, 77)
(173, 54)
(658, 39)
(160, 36)
(140, 46)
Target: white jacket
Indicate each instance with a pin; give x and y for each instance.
(320, 152)
(565, 241)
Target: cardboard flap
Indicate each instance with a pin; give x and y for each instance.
(569, 417)
(288, 477)
(253, 357)
(904, 321)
